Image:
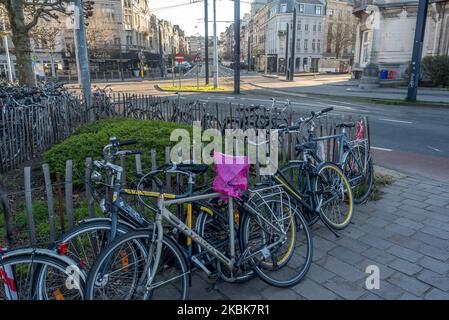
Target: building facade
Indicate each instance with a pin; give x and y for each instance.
(309, 35)
(385, 33)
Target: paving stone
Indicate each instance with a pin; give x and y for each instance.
(370, 296)
(384, 270)
(346, 255)
(378, 222)
(412, 209)
(323, 244)
(397, 228)
(436, 232)
(376, 242)
(434, 252)
(409, 296)
(413, 196)
(436, 224)
(387, 291)
(273, 293)
(430, 239)
(404, 253)
(351, 244)
(436, 294)
(409, 223)
(319, 274)
(346, 289)
(313, 291)
(415, 203)
(437, 202)
(353, 233)
(405, 267)
(435, 279)
(417, 217)
(434, 265)
(408, 283)
(378, 255)
(437, 213)
(341, 268)
(406, 242)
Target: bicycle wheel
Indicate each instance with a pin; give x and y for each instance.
(297, 178)
(360, 178)
(284, 264)
(22, 273)
(113, 274)
(334, 193)
(215, 230)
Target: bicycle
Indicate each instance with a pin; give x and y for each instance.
(155, 267)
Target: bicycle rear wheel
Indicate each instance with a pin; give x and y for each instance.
(113, 274)
(360, 178)
(284, 264)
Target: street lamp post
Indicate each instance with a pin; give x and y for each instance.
(120, 65)
(215, 47)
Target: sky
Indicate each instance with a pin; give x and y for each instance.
(191, 15)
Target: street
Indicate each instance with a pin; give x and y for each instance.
(409, 138)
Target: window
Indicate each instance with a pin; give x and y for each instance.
(306, 44)
(330, 12)
(318, 46)
(301, 8)
(314, 28)
(306, 27)
(313, 45)
(299, 25)
(298, 44)
(318, 10)
(283, 8)
(319, 27)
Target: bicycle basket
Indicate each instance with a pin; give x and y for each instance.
(231, 179)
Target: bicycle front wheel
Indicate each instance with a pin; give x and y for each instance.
(21, 279)
(360, 173)
(114, 273)
(335, 195)
(283, 258)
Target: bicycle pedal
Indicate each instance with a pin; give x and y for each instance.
(213, 282)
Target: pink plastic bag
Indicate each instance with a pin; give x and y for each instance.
(231, 175)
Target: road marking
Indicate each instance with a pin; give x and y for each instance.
(434, 149)
(382, 149)
(392, 120)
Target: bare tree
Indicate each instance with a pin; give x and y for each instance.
(23, 16)
(341, 37)
(45, 36)
(101, 30)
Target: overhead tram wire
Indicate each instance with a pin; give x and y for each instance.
(177, 5)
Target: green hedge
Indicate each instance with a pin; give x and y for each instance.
(89, 140)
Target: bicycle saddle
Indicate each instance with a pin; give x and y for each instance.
(346, 125)
(192, 167)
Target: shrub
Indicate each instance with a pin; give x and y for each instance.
(437, 69)
(434, 71)
(89, 140)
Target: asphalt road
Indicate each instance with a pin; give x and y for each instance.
(408, 138)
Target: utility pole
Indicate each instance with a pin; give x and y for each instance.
(120, 65)
(249, 53)
(417, 50)
(286, 52)
(292, 56)
(206, 41)
(6, 44)
(237, 46)
(161, 53)
(82, 56)
(215, 46)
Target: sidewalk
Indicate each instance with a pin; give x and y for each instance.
(342, 86)
(405, 234)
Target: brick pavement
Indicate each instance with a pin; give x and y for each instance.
(406, 234)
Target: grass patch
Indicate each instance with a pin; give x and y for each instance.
(380, 181)
(89, 140)
(194, 88)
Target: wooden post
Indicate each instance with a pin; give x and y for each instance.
(69, 192)
(29, 205)
(153, 165)
(59, 194)
(50, 202)
(89, 197)
(168, 176)
(8, 214)
(138, 165)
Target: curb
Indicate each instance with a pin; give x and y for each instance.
(158, 88)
